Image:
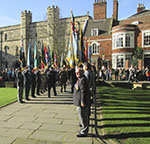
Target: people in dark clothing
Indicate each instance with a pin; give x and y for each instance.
(72, 78)
(81, 99)
(20, 85)
(33, 83)
(38, 82)
(63, 79)
(27, 82)
(51, 81)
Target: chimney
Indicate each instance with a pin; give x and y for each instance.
(115, 10)
(140, 8)
(100, 9)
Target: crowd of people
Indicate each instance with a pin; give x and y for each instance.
(83, 85)
(82, 80)
(131, 74)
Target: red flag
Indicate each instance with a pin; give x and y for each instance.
(55, 59)
(86, 51)
(46, 56)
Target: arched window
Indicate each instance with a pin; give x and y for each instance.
(6, 48)
(17, 51)
(5, 37)
(95, 48)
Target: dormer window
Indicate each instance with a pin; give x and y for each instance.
(94, 32)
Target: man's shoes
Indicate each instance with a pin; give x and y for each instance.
(27, 99)
(81, 135)
(21, 102)
(34, 96)
(55, 94)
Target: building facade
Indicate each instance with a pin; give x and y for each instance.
(54, 31)
(113, 41)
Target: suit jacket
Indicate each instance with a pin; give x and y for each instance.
(20, 79)
(81, 92)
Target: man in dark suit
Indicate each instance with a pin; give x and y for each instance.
(33, 83)
(81, 99)
(51, 81)
(20, 85)
(27, 82)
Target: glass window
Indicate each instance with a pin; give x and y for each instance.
(123, 40)
(94, 32)
(5, 37)
(95, 49)
(146, 39)
(120, 61)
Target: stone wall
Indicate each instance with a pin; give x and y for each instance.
(54, 32)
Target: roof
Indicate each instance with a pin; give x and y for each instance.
(140, 14)
(104, 26)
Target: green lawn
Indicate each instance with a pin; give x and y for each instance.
(7, 95)
(126, 114)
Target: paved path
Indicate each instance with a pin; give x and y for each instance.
(43, 120)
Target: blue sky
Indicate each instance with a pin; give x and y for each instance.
(10, 11)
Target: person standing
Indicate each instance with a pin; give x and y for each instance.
(63, 79)
(33, 83)
(51, 81)
(38, 82)
(27, 82)
(20, 85)
(81, 99)
(72, 78)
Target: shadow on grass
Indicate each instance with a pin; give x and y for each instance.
(132, 103)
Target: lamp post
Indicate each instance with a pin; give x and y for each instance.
(1, 49)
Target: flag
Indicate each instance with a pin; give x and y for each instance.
(49, 56)
(86, 51)
(43, 62)
(89, 52)
(55, 59)
(85, 26)
(22, 56)
(73, 51)
(70, 55)
(81, 47)
(52, 56)
(46, 56)
(74, 39)
(29, 56)
(35, 55)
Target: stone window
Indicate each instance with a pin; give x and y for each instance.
(6, 48)
(5, 37)
(123, 40)
(17, 51)
(146, 38)
(94, 32)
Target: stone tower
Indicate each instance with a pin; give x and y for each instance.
(26, 20)
(100, 9)
(52, 26)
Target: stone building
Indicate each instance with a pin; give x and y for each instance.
(113, 41)
(54, 31)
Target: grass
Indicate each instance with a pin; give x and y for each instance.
(7, 95)
(126, 114)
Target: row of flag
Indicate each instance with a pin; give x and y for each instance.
(79, 50)
(44, 59)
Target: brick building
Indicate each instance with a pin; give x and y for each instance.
(113, 41)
